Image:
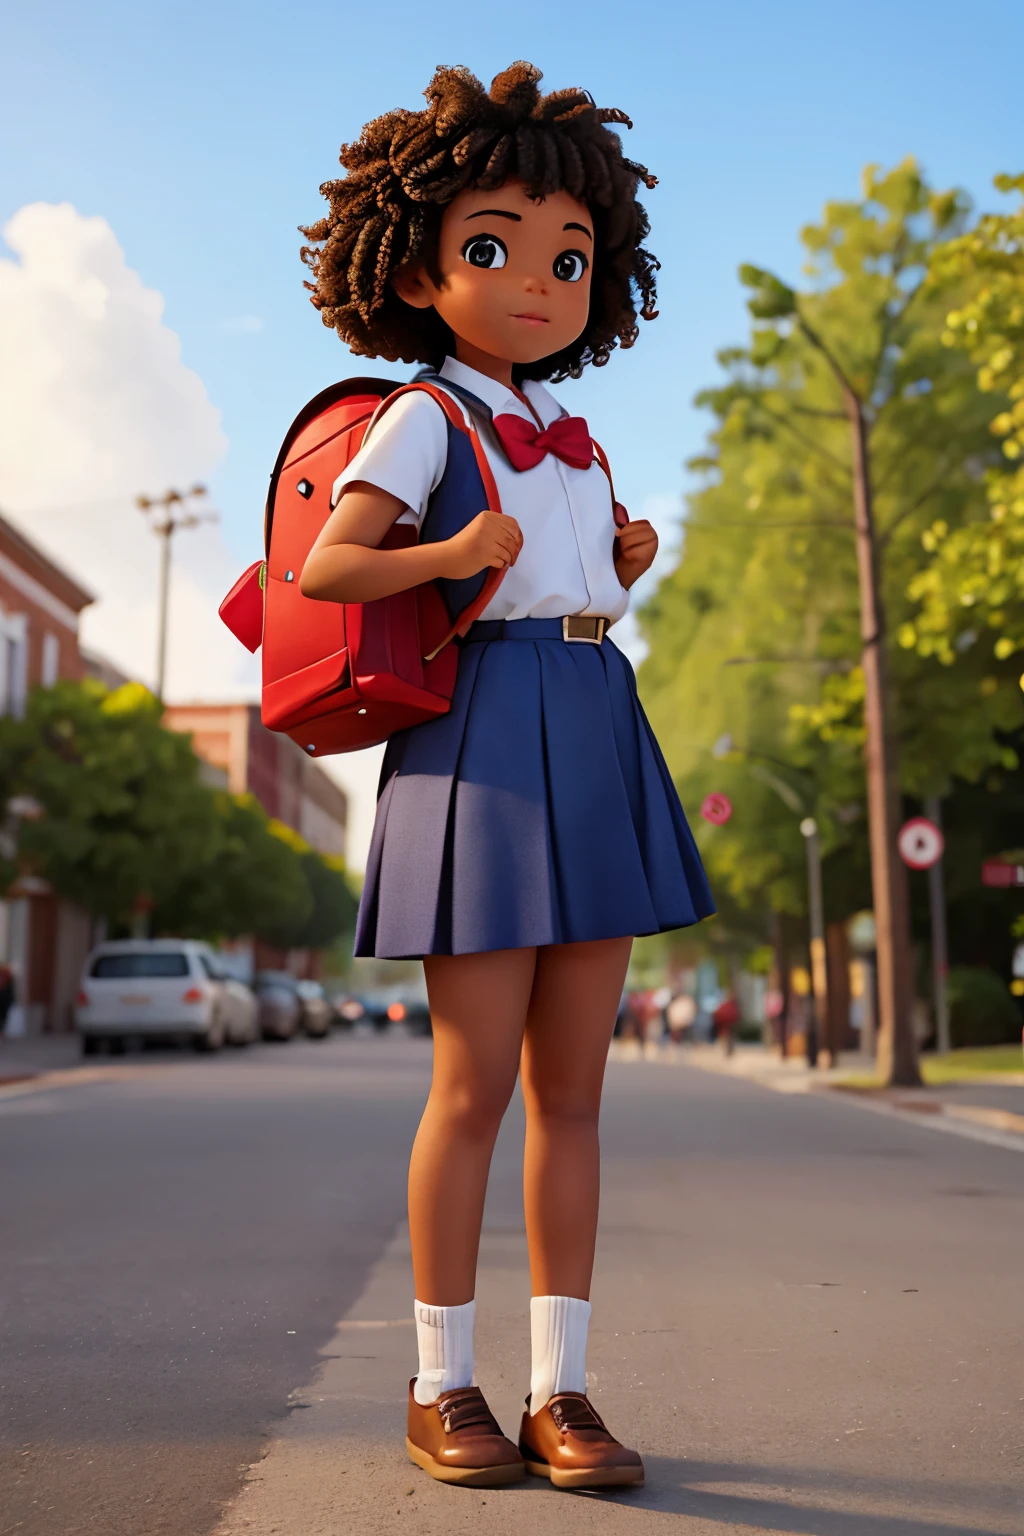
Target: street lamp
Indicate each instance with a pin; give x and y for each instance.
(726, 747)
(819, 969)
(165, 527)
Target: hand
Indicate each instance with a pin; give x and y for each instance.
(490, 540)
(635, 551)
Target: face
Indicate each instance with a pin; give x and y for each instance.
(516, 272)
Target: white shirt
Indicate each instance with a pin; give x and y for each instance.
(566, 564)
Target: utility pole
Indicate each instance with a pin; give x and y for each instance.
(726, 747)
(819, 965)
(167, 520)
(940, 952)
(897, 1048)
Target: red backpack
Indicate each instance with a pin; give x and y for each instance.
(340, 676)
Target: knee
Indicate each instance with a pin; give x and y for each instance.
(472, 1112)
(561, 1107)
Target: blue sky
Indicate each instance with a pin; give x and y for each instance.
(201, 132)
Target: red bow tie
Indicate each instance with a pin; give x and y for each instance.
(525, 445)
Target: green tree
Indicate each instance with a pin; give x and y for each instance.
(757, 633)
(128, 825)
(974, 581)
(126, 815)
(329, 910)
(256, 881)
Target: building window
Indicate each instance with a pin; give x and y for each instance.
(13, 663)
(51, 660)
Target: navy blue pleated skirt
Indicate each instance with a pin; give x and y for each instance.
(538, 811)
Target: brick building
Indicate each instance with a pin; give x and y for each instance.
(288, 785)
(43, 939)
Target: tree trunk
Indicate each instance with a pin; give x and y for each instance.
(838, 1026)
(780, 947)
(897, 1048)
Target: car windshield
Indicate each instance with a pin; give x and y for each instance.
(154, 963)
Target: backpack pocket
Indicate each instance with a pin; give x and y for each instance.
(242, 609)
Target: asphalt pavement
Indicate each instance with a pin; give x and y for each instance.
(806, 1316)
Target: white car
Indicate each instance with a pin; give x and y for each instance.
(161, 989)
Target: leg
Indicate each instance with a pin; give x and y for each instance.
(572, 1015)
(575, 997)
(478, 1006)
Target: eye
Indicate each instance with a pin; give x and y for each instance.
(569, 266)
(485, 251)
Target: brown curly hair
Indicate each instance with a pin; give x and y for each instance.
(406, 167)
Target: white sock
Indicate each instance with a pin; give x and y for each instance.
(558, 1330)
(445, 1339)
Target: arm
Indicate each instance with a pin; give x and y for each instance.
(636, 545)
(345, 564)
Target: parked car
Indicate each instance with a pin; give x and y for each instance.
(348, 1009)
(280, 1007)
(161, 989)
(400, 1012)
(316, 1010)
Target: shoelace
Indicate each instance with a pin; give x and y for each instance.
(576, 1413)
(468, 1412)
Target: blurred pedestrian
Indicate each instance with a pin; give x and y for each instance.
(726, 1017)
(680, 1015)
(6, 994)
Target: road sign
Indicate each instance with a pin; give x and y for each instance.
(1000, 872)
(920, 843)
(717, 809)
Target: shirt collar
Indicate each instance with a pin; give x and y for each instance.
(498, 399)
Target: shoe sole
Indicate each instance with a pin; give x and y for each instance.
(581, 1477)
(467, 1477)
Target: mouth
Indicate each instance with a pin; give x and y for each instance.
(530, 318)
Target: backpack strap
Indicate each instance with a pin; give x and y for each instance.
(464, 422)
(619, 512)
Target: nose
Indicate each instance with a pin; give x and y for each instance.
(535, 283)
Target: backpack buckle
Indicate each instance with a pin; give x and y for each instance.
(584, 629)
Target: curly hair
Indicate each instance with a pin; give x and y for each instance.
(406, 167)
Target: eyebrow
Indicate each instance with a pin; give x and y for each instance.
(582, 229)
(500, 213)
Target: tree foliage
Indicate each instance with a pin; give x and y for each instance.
(974, 581)
(756, 635)
(128, 825)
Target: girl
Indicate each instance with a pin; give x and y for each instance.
(525, 838)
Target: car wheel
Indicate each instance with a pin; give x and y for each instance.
(90, 1045)
(115, 1045)
(212, 1040)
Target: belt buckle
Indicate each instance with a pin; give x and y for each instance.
(575, 629)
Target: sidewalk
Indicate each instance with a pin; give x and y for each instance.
(987, 1109)
(27, 1056)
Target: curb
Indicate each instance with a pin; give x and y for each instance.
(974, 1122)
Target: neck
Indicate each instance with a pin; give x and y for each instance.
(497, 368)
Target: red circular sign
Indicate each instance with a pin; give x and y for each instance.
(920, 843)
(717, 809)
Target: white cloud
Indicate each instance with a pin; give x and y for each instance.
(96, 406)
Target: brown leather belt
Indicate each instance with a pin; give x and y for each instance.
(584, 628)
(575, 629)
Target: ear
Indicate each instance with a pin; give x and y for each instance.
(414, 287)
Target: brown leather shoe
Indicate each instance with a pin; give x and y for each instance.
(457, 1440)
(567, 1441)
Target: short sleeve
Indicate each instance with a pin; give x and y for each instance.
(404, 454)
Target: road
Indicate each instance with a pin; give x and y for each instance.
(807, 1316)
